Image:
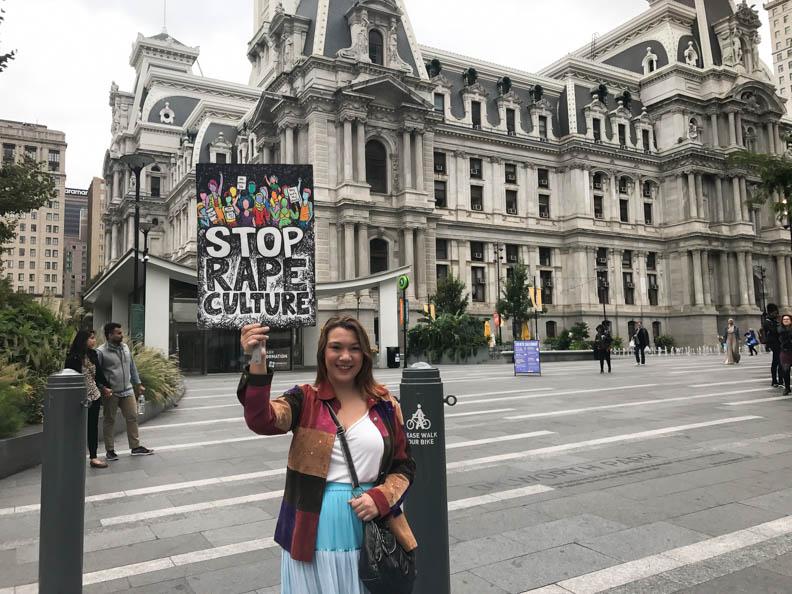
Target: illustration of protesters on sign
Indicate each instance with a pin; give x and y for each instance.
(255, 245)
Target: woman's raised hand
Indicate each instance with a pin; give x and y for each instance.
(253, 336)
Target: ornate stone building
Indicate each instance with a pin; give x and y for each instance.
(606, 172)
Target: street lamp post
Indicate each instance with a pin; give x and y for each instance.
(136, 163)
(498, 250)
(146, 227)
(603, 287)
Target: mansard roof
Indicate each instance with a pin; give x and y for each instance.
(329, 31)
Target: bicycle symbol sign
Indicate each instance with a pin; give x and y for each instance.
(418, 421)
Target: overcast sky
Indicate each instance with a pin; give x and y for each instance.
(69, 51)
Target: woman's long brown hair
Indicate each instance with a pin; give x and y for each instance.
(364, 380)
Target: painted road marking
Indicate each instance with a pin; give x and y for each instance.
(574, 411)
(463, 465)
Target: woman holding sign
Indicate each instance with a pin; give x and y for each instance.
(349, 462)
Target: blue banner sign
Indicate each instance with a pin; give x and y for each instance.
(527, 358)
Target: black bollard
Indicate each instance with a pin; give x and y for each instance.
(63, 485)
(421, 396)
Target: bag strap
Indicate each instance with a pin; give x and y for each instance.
(341, 434)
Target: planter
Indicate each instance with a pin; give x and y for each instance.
(23, 450)
(480, 356)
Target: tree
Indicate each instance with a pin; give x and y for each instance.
(450, 297)
(775, 173)
(8, 56)
(515, 303)
(24, 187)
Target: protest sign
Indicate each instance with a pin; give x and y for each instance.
(255, 245)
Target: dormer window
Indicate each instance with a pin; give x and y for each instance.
(510, 122)
(542, 127)
(439, 103)
(622, 135)
(376, 47)
(597, 125)
(649, 62)
(475, 114)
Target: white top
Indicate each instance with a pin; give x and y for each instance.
(366, 446)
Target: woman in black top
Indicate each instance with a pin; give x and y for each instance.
(785, 338)
(82, 358)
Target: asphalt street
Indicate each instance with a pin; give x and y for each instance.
(671, 477)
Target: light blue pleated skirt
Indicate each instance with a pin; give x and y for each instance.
(334, 569)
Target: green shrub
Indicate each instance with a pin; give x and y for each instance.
(14, 395)
(32, 336)
(458, 336)
(618, 342)
(159, 374)
(665, 342)
(580, 345)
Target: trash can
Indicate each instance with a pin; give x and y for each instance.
(393, 357)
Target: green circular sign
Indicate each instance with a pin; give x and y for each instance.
(404, 282)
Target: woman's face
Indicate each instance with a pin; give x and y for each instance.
(91, 341)
(343, 356)
(786, 321)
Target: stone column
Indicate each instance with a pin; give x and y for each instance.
(724, 285)
(289, 132)
(732, 129)
(771, 146)
(642, 282)
(788, 274)
(349, 251)
(742, 279)
(419, 162)
(266, 153)
(361, 150)
(362, 251)
(348, 162)
(116, 186)
(617, 280)
(108, 244)
(736, 200)
(781, 277)
(738, 128)
(113, 240)
(612, 205)
(420, 263)
(692, 199)
(698, 286)
(705, 271)
(714, 128)
(407, 159)
(744, 201)
(700, 198)
(408, 258)
(720, 211)
(749, 273)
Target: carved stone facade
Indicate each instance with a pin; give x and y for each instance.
(606, 175)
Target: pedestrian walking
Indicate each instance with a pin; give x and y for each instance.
(321, 522)
(751, 341)
(122, 377)
(785, 340)
(731, 337)
(770, 328)
(83, 359)
(641, 341)
(603, 342)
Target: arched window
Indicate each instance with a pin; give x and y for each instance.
(377, 167)
(655, 330)
(378, 255)
(376, 47)
(550, 329)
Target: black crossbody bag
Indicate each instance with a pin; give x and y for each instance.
(384, 567)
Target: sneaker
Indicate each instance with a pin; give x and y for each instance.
(774, 385)
(111, 456)
(141, 451)
(787, 392)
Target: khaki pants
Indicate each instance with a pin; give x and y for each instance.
(128, 406)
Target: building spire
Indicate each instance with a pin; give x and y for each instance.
(165, 16)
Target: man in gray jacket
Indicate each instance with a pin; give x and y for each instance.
(122, 376)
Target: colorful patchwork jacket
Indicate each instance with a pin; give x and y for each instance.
(301, 411)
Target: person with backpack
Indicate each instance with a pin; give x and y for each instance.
(770, 330)
(641, 342)
(603, 342)
(751, 341)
